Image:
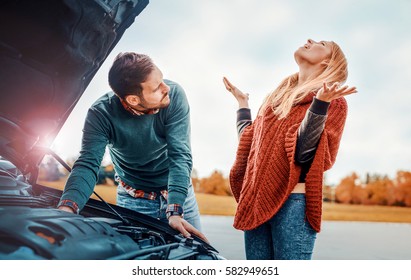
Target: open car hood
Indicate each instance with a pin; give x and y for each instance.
(49, 52)
(32, 228)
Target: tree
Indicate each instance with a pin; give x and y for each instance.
(359, 195)
(345, 189)
(327, 193)
(215, 184)
(378, 191)
(400, 192)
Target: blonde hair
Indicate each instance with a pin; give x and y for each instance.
(289, 93)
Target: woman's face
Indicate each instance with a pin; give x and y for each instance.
(313, 53)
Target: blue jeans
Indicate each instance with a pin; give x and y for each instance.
(286, 236)
(157, 208)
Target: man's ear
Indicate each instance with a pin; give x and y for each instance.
(133, 100)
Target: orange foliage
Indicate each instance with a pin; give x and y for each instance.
(360, 195)
(377, 190)
(400, 194)
(344, 191)
(327, 193)
(215, 184)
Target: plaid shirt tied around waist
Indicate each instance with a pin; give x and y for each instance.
(172, 209)
(140, 193)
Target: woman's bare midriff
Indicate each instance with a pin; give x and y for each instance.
(299, 188)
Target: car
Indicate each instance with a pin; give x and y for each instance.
(49, 52)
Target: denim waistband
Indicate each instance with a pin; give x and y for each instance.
(296, 196)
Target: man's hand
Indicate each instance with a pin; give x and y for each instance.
(178, 223)
(66, 209)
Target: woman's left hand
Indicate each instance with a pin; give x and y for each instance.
(328, 94)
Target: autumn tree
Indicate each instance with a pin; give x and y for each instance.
(400, 192)
(215, 184)
(345, 189)
(359, 195)
(377, 190)
(327, 193)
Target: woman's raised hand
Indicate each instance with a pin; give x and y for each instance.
(328, 94)
(242, 98)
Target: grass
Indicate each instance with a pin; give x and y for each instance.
(225, 205)
(222, 205)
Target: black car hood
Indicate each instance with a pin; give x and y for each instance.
(32, 228)
(49, 52)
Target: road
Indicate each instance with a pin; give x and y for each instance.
(337, 240)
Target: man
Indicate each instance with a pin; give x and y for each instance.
(145, 122)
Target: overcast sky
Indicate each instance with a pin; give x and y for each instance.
(196, 43)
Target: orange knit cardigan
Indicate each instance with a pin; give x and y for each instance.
(264, 172)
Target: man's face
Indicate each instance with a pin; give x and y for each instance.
(155, 92)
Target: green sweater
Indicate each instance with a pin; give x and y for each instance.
(149, 152)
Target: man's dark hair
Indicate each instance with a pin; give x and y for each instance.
(127, 73)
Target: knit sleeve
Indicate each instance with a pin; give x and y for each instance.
(324, 159)
(239, 167)
(333, 130)
(290, 148)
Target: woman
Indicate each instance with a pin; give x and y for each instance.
(282, 155)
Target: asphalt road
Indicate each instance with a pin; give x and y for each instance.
(337, 240)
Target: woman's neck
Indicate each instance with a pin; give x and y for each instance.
(308, 73)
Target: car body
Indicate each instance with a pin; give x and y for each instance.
(49, 52)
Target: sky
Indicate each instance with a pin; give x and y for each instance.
(196, 43)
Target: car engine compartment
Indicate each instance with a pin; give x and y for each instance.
(32, 228)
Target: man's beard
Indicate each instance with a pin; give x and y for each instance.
(164, 102)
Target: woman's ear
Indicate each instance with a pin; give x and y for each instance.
(133, 100)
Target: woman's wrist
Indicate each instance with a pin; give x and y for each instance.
(243, 104)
